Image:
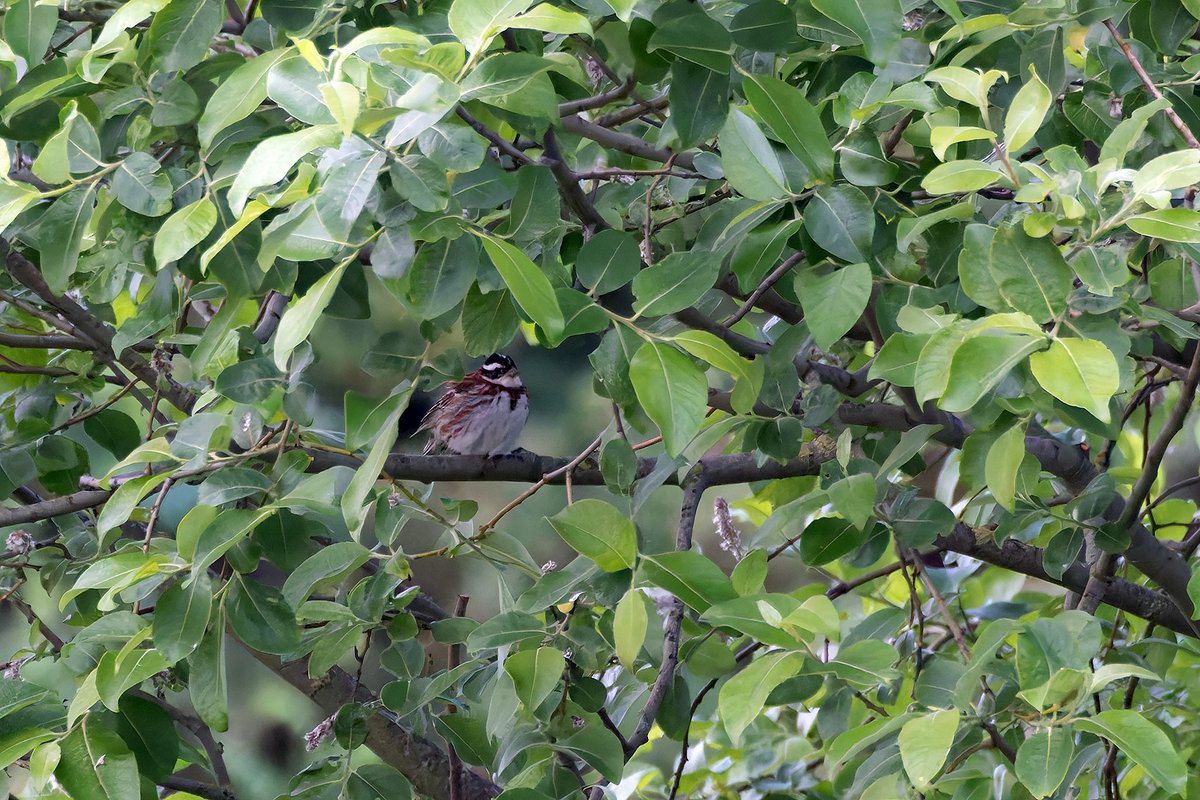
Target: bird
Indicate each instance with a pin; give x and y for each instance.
(482, 414)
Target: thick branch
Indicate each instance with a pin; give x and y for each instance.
(599, 100)
(525, 467)
(1027, 560)
(47, 509)
(624, 142)
(425, 764)
(50, 341)
(568, 186)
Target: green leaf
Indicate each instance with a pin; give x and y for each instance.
(696, 37)
(793, 120)
(181, 616)
(19, 743)
(854, 498)
(215, 539)
(607, 261)
(365, 476)
(181, 33)
(920, 521)
(378, 782)
(743, 696)
(261, 617)
(1030, 273)
(301, 315)
(60, 235)
(96, 763)
(630, 623)
(273, 158)
(829, 538)
(954, 177)
(767, 26)
(475, 22)
(674, 283)
(1144, 742)
(834, 302)
(516, 82)
(943, 136)
(699, 100)
(750, 573)
(141, 186)
(125, 17)
(1026, 112)
(509, 627)
(440, 276)
(598, 748)
(183, 230)
(980, 363)
(327, 564)
(1079, 372)
(249, 381)
(1171, 224)
(924, 744)
(118, 672)
(875, 22)
(295, 86)
(124, 500)
(840, 219)
(1003, 460)
(1043, 760)
(529, 285)
(712, 350)
(691, 577)
(535, 674)
(597, 530)
(28, 26)
(551, 19)
(750, 164)
(897, 360)
(672, 390)
(208, 684)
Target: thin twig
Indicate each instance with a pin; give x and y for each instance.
(772, 278)
(1132, 58)
(565, 469)
(154, 509)
(499, 142)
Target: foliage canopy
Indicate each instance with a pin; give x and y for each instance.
(917, 281)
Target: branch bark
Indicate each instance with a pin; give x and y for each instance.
(573, 123)
(87, 325)
(426, 765)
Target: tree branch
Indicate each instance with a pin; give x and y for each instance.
(599, 100)
(176, 783)
(499, 142)
(772, 278)
(624, 142)
(1027, 560)
(425, 764)
(25, 272)
(1132, 58)
(568, 186)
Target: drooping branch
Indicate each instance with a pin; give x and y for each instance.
(86, 325)
(426, 765)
